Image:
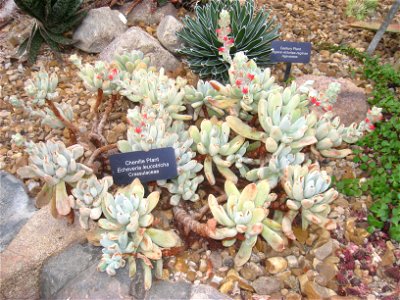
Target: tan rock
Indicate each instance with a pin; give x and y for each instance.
(276, 264)
(315, 291)
(41, 237)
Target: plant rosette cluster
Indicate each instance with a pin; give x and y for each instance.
(277, 119)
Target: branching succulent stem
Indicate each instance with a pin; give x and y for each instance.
(107, 112)
(205, 111)
(190, 224)
(74, 130)
(198, 216)
(99, 151)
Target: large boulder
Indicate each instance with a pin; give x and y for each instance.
(351, 105)
(145, 13)
(137, 39)
(166, 33)
(66, 266)
(98, 29)
(41, 237)
(15, 208)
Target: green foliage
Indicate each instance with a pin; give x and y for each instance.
(53, 18)
(361, 8)
(380, 158)
(251, 31)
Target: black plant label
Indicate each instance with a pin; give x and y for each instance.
(156, 164)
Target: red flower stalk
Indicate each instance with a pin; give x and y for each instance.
(245, 90)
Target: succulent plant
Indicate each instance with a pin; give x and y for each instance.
(248, 84)
(250, 31)
(89, 194)
(57, 165)
(42, 87)
(53, 18)
(284, 119)
(245, 214)
(153, 128)
(279, 161)
(213, 142)
(151, 88)
(203, 95)
(307, 189)
(129, 235)
(329, 132)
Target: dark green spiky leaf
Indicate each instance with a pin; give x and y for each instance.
(251, 31)
(34, 45)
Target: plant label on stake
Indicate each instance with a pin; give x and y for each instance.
(156, 164)
(290, 52)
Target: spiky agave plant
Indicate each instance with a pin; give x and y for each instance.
(53, 18)
(250, 31)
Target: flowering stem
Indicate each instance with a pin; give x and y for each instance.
(205, 111)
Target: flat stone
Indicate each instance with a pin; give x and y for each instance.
(65, 266)
(145, 13)
(92, 284)
(206, 292)
(267, 285)
(41, 237)
(166, 33)
(137, 39)
(98, 29)
(168, 290)
(351, 105)
(315, 291)
(324, 251)
(15, 208)
(251, 271)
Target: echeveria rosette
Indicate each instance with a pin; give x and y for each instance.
(279, 161)
(89, 194)
(108, 76)
(245, 213)
(57, 165)
(129, 235)
(284, 119)
(152, 127)
(203, 95)
(213, 141)
(307, 189)
(329, 132)
(42, 87)
(155, 88)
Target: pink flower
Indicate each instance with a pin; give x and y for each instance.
(367, 120)
(239, 82)
(142, 123)
(329, 107)
(99, 76)
(225, 38)
(231, 41)
(371, 127)
(317, 103)
(138, 130)
(145, 115)
(218, 31)
(313, 100)
(245, 90)
(221, 49)
(250, 76)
